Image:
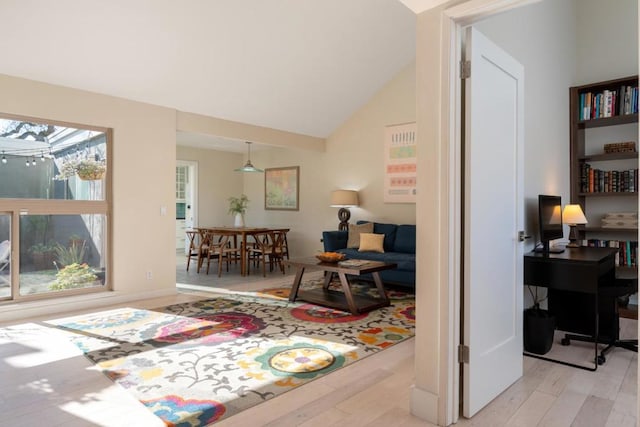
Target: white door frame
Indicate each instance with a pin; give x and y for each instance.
(435, 396)
(193, 183)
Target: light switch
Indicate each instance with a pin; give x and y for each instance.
(163, 211)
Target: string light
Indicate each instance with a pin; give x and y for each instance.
(27, 163)
(42, 157)
(4, 158)
(33, 161)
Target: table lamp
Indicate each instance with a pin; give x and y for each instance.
(344, 199)
(573, 216)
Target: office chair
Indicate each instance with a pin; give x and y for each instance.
(610, 295)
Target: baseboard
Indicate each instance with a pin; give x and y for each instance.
(424, 405)
(31, 309)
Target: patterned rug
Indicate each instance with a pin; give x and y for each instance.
(196, 363)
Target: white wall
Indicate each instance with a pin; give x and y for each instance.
(549, 60)
(217, 181)
(353, 159)
(607, 45)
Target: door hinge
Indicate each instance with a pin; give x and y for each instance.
(463, 354)
(465, 69)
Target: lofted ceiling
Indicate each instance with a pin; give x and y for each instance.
(301, 66)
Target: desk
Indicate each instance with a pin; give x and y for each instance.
(581, 270)
(243, 232)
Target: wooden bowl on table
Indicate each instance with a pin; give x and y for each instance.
(331, 257)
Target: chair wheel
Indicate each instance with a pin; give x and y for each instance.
(601, 360)
(565, 341)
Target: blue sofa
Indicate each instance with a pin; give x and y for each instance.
(399, 247)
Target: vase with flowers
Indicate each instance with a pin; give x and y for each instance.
(238, 207)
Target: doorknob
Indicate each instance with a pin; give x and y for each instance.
(522, 236)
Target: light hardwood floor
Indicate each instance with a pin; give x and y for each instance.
(46, 382)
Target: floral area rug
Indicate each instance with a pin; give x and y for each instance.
(196, 363)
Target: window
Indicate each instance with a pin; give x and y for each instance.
(54, 209)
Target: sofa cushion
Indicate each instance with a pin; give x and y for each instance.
(334, 240)
(389, 231)
(370, 242)
(354, 233)
(405, 261)
(405, 239)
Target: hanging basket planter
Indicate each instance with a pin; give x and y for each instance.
(91, 175)
(86, 170)
(90, 170)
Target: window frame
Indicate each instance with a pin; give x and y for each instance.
(18, 206)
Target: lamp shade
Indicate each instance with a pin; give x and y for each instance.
(248, 167)
(342, 198)
(573, 215)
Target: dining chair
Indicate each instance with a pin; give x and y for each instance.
(194, 246)
(218, 247)
(285, 245)
(267, 246)
(204, 236)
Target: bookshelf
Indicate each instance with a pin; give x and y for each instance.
(606, 113)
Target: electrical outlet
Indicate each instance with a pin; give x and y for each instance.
(149, 275)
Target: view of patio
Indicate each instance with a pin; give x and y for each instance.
(52, 234)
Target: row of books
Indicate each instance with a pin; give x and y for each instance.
(601, 181)
(627, 253)
(608, 103)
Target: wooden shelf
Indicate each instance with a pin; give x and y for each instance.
(608, 121)
(610, 194)
(583, 142)
(629, 312)
(603, 157)
(624, 272)
(608, 229)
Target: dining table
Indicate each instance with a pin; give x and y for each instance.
(243, 232)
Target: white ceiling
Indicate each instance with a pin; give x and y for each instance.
(302, 66)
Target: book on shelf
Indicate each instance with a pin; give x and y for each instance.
(594, 180)
(627, 255)
(608, 103)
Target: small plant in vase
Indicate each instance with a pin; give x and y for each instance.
(238, 207)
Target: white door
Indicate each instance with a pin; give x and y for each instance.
(186, 199)
(493, 215)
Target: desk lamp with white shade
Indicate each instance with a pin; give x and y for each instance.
(573, 216)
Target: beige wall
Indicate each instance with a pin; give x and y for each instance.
(143, 177)
(353, 159)
(196, 123)
(217, 181)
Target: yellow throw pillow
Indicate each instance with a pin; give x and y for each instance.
(370, 242)
(354, 233)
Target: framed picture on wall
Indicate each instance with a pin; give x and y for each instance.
(282, 188)
(400, 163)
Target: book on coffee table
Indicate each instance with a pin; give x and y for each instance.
(353, 263)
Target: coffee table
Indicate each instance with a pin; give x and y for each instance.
(345, 300)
